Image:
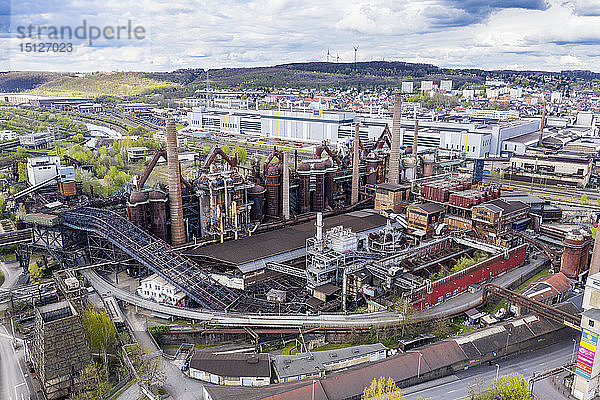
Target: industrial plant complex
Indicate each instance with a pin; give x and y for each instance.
(283, 251)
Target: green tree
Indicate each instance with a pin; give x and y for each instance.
(382, 389)
(22, 171)
(505, 387)
(511, 387)
(20, 153)
(94, 384)
(101, 332)
(241, 154)
(148, 367)
(36, 271)
(583, 199)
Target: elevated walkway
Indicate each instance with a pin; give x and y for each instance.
(154, 254)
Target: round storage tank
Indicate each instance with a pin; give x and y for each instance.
(303, 188)
(273, 182)
(137, 207)
(570, 263)
(158, 214)
(319, 195)
(256, 194)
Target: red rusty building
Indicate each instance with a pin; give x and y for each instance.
(458, 282)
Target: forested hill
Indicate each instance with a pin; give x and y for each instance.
(183, 82)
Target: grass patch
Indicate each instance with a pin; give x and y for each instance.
(1, 278)
(492, 308)
(290, 349)
(522, 287)
(9, 257)
(332, 346)
(202, 346)
(462, 328)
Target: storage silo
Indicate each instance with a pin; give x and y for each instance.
(273, 182)
(158, 213)
(319, 195)
(304, 188)
(256, 194)
(137, 209)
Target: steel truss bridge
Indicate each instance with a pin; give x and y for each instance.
(535, 306)
(154, 254)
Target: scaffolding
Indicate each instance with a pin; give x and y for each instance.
(223, 206)
(323, 264)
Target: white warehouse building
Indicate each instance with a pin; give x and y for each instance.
(468, 134)
(312, 126)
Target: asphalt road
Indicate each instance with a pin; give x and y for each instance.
(13, 382)
(457, 386)
(468, 300)
(455, 305)
(176, 383)
(11, 271)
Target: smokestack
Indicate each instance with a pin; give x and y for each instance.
(175, 202)
(355, 162)
(595, 263)
(394, 174)
(319, 225)
(416, 139)
(286, 187)
(542, 124)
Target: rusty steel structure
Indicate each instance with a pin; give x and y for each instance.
(323, 147)
(355, 162)
(175, 201)
(416, 138)
(217, 151)
(285, 196)
(394, 173)
(595, 262)
(154, 254)
(535, 306)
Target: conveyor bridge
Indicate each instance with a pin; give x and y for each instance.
(154, 254)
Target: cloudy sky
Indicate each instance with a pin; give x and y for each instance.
(516, 34)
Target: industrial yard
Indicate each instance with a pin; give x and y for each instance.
(361, 249)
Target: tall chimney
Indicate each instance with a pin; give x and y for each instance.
(394, 174)
(355, 162)
(175, 202)
(416, 139)
(319, 226)
(542, 124)
(285, 197)
(595, 263)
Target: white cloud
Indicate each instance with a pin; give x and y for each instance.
(232, 33)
